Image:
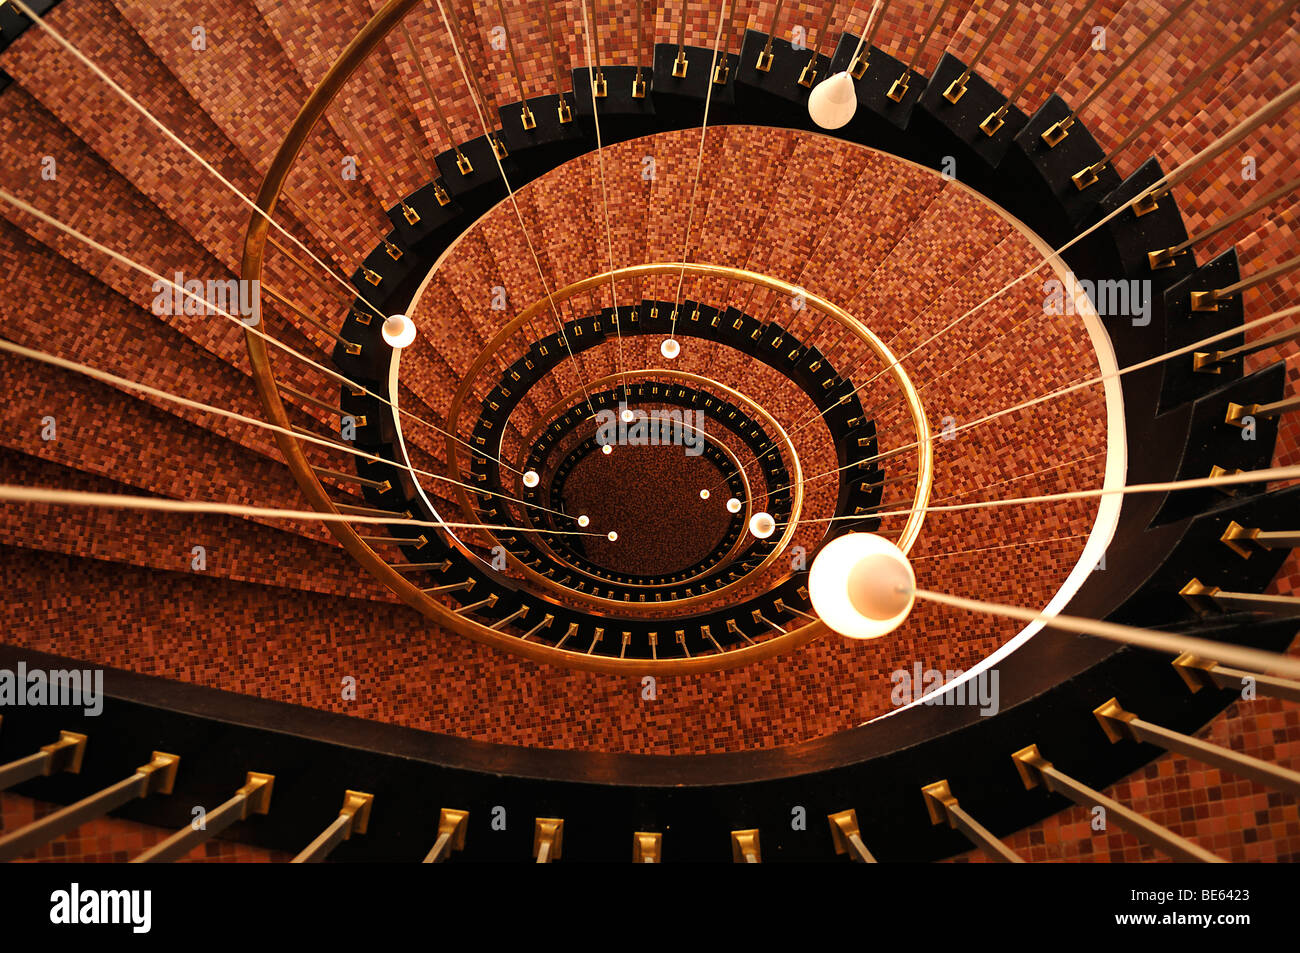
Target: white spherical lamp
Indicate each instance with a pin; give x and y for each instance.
(613, 536)
(531, 479)
(833, 101)
(762, 525)
(733, 505)
(862, 585)
(628, 415)
(584, 520)
(398, 331)
(704, 494)
(607, 449)
(670, 348)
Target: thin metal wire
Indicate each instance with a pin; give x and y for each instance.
(604, 200)
(104, 77)
(1173, 643)
(109, 378)
(1076, 386)
(510, 193)
(1160, 186)
(1269, 475)
(29, 494)
(699, 164)
(989, 549)
(256, 332)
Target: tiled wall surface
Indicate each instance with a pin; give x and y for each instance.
(1235, 818)
(288, 619)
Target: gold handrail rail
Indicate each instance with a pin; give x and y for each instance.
(366, 41)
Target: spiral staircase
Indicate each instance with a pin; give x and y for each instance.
(551, 191)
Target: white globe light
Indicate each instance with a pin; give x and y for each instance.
(398, 331)
(733, 505)
(704, 494)
(613, 536)
(670, 348)
(584, 520)
(833, 101)
(762, 525)
(607, 449)
(862, 585)
(531, 479)
(627, 415)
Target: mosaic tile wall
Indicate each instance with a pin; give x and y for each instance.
(1235, 818)
(233, 99)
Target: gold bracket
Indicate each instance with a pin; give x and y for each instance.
(159, 774)
(808, 73)
(526, 117)
(463, 164)
(456, 825)
(647, 848)
(844, 827)
(1147, 202)
(938, 798)
(1114, 720)
(858, 68)
(680, 64)
(1195, 672)
(600, 86)
(257, 793)
(957, 88)
(66, 754)
(1057, 131)
(356, 807)
(638, 87)
(548, 839)
(394, 252)
(1236, 412)
(1199, 596)
(440, 194)
(1086, 176)
(1207, 362)
(498, 147)
(371, 276)
(1161, 258)
(745, 847)
(1236, 536)
(764, 63)
(994, 121)
(412, 217)
(1030, 766)
(564, 112)
(351, 348)
(1205, 301)
(721, 71)
(899, 89)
